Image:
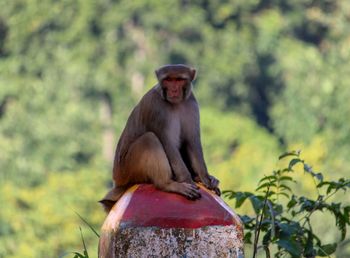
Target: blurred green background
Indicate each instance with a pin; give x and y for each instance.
(273, 75)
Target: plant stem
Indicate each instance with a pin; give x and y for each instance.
(258, 228)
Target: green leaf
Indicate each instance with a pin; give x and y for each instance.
(326, 250)
(271, 178)
(307, 168)
(341, 222)
(266, 185)
(291, 246)
(229, 194)
(284, 194)
(246, 219)
(285, 187)
(86, 255)
(309, 250)
(241, 197)
(319, 176)
(271, 193)
(285, 178)
(267, 238)
(347, 214)
(257, 202)
(288, 229)
(248, 237)
(292, 153)
(331, 187)
(293, 162)
(321, 184)
(292, 202)
(87, 223)
(76, 255)
(306, 205)
(340, 218)
(278, 208)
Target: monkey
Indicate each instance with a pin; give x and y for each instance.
(161, 143)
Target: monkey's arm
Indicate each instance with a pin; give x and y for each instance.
(176, 162)
(195, 152)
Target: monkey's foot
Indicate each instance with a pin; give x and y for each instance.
(190, 191)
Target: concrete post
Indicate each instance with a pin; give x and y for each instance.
(147, 222)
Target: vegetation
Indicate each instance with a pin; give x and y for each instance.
(273, 75)
(287, 220)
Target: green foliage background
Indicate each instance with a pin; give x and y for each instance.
(272, 75)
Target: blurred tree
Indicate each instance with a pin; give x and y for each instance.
(71, 71)
(236, 148)
(41, 221)
(315, 70)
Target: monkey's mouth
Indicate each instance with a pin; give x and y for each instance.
(174, 94)
(174, 99)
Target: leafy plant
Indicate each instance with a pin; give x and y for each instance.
(284, 219)
(85, 253)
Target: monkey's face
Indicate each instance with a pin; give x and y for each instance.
(175, 88)
(176, 82)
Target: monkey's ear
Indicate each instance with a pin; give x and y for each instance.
(193, 74)
(158, 74)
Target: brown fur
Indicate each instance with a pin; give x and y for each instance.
(161, 141)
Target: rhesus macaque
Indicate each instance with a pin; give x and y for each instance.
(161, 140)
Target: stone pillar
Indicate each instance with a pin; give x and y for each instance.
(147, 222)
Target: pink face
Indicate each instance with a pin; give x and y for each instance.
(174, 88)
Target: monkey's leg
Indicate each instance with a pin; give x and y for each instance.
(146, 162)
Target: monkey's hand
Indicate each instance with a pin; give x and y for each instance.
(212, 183)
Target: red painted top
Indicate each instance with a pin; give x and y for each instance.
(145, 206)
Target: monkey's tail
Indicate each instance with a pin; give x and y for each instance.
(112, 197)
